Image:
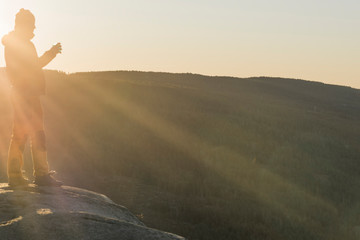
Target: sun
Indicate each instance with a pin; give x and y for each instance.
(6, 20)
(2, 29)
(5, 28)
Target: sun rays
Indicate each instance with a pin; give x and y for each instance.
(248, 176)
(5, 120)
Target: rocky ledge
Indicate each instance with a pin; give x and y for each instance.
(68, 213)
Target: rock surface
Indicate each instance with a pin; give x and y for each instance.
(67, 213)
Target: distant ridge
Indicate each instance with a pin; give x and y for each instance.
(202, 75)
(2, 69)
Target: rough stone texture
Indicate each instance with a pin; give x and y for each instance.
(67, 213)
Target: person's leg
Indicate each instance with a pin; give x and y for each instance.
(18, 140)
(16, 150)
(38, 139)
(38, 147)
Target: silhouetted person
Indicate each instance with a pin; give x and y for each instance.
(24, 69)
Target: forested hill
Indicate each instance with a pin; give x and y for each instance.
(208, 157)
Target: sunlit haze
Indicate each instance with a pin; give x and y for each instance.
(312, 40)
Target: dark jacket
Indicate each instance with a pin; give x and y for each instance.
(23, 66)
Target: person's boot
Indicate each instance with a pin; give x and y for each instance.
(18, 181)
(47, 181)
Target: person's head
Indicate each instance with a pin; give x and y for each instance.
(25, 23)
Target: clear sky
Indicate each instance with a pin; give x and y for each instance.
(310, 39)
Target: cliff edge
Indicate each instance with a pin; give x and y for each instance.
(68, 213)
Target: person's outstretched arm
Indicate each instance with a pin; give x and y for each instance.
(49, 55)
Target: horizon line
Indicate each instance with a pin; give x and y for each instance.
(199, 74)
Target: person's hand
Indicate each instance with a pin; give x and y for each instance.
(55, 49)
